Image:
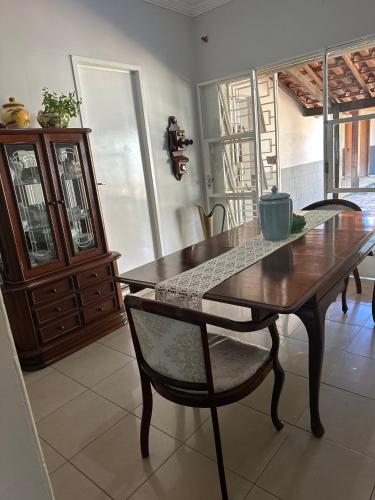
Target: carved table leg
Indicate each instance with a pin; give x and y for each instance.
(313, 317)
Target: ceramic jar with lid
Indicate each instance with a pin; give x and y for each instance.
(15, 115)
(275, 215)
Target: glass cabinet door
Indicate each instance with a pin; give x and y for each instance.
(31, 202)
(75, 197)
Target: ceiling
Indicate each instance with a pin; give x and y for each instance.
(351, 82)
(190, 8)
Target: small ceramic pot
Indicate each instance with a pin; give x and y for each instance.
(54, 120)
(15, 115)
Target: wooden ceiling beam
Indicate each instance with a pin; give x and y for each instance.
(357, 74)
(305, 83)
(319, 82)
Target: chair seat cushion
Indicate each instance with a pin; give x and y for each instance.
(233, 361)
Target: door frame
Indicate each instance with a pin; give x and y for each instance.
(144, 135)
(330, 145)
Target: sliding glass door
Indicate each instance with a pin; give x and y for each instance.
(239, 136)
(349, 112)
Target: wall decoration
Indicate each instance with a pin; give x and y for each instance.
(177, 144)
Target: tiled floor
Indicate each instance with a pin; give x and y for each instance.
(87, 409)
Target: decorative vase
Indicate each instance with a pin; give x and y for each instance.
(15, 115)
(48, 119)
(275, 215)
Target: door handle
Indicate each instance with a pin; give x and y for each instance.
(100, 184)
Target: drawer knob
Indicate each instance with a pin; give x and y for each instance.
(94, 275)
(98, 292)
(58, 309)
(53, 290)
(100, 309)
(61, 327)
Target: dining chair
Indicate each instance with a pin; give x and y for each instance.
(189, 366)
(337, 204)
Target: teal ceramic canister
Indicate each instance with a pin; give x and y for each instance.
(275, 215)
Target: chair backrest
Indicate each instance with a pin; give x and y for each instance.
(336, 204)
(171, 346)
(171, 342)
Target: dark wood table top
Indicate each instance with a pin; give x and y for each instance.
(282, 281)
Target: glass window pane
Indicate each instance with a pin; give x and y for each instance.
(233, 166)
(75, 196)
(36, 224)
(226, 108)
(355, 163)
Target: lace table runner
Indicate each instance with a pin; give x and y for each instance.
(187, 289)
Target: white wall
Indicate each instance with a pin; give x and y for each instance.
(23, 474)
(301, 153)
(300, 137)
(126, 31)
(247, 34)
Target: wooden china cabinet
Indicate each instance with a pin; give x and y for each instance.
(58, 274)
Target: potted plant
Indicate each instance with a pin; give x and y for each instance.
(58, 109)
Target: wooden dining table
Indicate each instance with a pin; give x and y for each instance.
(303, 277)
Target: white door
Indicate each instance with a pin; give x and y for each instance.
(110, 107)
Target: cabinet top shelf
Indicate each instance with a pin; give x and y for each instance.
(39, 130)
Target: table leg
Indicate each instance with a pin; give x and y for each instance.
(314, 318)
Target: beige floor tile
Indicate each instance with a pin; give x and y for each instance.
(69, 484)
(294, 397)
(364, 343)
(120, 340)
(51, 392)
(53, 459)
(294, 356)
(370, 323)
(287, 323)
(358, 313)
(114, 460)
(188, 475)
(123, 387)
(258, 494)
(79, 422)
(261, 337)
(365, 296)
(248, 437)
(353, 373)
(236, 313)
(176, 420)
(308, 468)
(30, 377)
(348, 419)
(337, 335)
(92, 364)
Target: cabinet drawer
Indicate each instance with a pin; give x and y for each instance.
(49, 292)
(61, 327)
(95, 292)
(56, 309)
(95, 311)
(92, 275)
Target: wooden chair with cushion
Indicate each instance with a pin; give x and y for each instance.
(191, 367)
(340, 204)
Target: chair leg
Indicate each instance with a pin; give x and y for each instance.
(373, 303)
(344, 304)
(146, 414)
(277, 387)
(357, 280)
(279, 377)
(219, 453)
